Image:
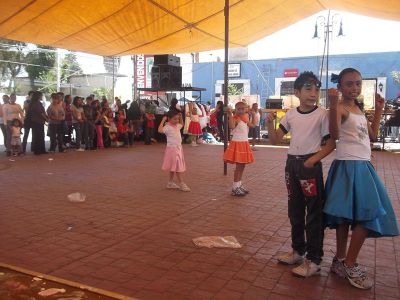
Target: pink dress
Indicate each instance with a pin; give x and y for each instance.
(174, 160)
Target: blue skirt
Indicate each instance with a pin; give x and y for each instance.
(356, 195)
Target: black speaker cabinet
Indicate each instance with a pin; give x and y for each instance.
(167, 59)
(274, 103)
(155, 77)
(168, 77)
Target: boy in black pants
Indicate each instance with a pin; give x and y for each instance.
(309, 127)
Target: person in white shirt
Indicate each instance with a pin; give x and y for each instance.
(11, 111)
(6, 100)
(309, 127)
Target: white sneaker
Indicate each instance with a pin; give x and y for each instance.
(172, 185)
(358, 277)
(307, 269)
(80, 149)
(254, 148)
(290, 258)
(184, 187)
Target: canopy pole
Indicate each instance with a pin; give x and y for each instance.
(226, 129)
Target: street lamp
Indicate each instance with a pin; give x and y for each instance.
(327, 24)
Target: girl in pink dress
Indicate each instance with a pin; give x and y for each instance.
(174, 161)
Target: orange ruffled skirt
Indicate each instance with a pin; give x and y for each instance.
(238, 152)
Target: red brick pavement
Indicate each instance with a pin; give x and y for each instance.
(132, 236)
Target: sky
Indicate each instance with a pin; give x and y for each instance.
(361, 35)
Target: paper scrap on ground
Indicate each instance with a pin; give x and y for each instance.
(217, 241)
(77, 197)
(50, 292)
(51, 159)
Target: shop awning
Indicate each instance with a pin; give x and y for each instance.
(122, 27)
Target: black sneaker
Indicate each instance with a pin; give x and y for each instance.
(238, 192)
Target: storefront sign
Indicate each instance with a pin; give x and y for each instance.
(291, 73)
(234, 70)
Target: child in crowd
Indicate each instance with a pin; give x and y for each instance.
(309, 127)
(77, 121)
(122, 128)
(238, 151)
(194, 126)
(16, 126)
(174, 161)
(56, 114)
(149, 129)
(254, 132)
(99, 124)
(356, 197)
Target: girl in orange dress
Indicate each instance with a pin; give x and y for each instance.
(239, 151)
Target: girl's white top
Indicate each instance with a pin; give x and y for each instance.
(240, 132)
(173, 134)
(194, 118)
(354, 143)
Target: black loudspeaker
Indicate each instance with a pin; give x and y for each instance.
(155, 77)
(167, 59)
(274, 103)
(170, 77)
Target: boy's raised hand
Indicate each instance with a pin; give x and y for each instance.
(333, 96)
(271, 117)
(379, 102)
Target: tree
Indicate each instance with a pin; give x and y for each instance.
(234, 89)
(11, 58)
(69, 66)
(396, 77)
(40, 61)
(99, 92)
(49, 81)
(111, 63)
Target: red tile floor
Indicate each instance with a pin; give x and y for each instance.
(134, 237)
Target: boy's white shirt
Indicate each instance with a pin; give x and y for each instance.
(307, 130)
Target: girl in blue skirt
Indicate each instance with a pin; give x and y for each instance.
(356, 197)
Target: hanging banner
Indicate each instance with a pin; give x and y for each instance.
(143, 66)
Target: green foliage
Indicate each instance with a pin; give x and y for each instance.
(99, 92)
(69, 66)
(11, 53)
(49, 80)
(111, 62)
(41, 62)
(396, 77)
(233, 90)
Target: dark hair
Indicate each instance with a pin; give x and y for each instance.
(172, 113)
(174, 102)
(36, 96)
(340, 78)
(75, 101)
(220, 103)
(66, 97)
(346, 71)
(18, 121)
(30, 93)
(305, 77)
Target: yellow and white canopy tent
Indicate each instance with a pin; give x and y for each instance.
(123, 27)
